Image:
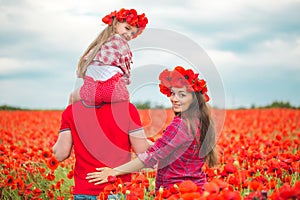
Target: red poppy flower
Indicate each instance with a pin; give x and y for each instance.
(126, 186)
(129, 16)
(71, 189)
(138, 191)
(187, 186)
(70, 174)
(50, 194)
(222, 185)
(232, 195)
(46, 154)
(110, 188)
(297, 185)
(191, 196)
(288, 192)
(165, 90)
(140, 178)
(19, 183)
(143, 21)
(112, 179)
(163, 193)
(200, 85)
(180, 77)
(165, 78)
(179, 69)
(50, 176)
(58, 185)
(132, 17)
(188, 74)
(212, 188)
(174, 197)
(255, 185)
(206, 97)
(230, 168)
(52, 163)
(131, 196)
(174, 189)
(9, 181)
(109, 18)
(37, 192)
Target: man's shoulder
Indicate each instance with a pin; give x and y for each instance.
(119, 108)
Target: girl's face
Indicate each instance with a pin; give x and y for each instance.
(126, 31)
(181, 99)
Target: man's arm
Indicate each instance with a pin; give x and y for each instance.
(63, 146)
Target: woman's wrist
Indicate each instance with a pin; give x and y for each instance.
(116, 172)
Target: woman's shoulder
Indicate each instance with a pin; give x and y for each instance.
(178, 119)
(178, 122)
(178, 127)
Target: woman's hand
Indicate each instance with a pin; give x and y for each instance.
(101, 176)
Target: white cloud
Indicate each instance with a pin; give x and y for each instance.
(224, 59)
(11, 65)
(277, 53)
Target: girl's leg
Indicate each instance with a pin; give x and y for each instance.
(74, 96)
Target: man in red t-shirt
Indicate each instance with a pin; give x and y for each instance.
(102, 136)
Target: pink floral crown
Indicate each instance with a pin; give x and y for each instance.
(129, 16)
(180, 77)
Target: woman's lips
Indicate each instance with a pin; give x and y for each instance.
(176, 105)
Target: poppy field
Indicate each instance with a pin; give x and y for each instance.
(259, 159)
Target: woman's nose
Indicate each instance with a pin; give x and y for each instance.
(173, 98)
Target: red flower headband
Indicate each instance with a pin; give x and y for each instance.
(129, 16)
(180, 77)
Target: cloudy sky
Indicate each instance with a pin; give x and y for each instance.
(254, 46)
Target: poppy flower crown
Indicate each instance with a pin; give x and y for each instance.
(127, 15)
(180, 77)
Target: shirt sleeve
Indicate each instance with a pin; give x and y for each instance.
(116, 52)
(65, 120)
(174, 136)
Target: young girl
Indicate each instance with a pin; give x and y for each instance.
(105, 65)
(186, 144)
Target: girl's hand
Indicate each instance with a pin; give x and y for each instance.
(101, 176)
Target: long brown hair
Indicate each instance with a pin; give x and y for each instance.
(94, 47)
(207, 139)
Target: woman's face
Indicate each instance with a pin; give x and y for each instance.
(125, 30)
(181, 99)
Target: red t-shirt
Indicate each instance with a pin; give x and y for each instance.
(100, 138)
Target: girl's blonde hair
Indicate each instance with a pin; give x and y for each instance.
(207, 142)
(94, 47)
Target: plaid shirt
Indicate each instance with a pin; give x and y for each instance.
(115, 52)
(177, 155)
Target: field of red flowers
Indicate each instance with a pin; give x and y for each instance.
(259, 158)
